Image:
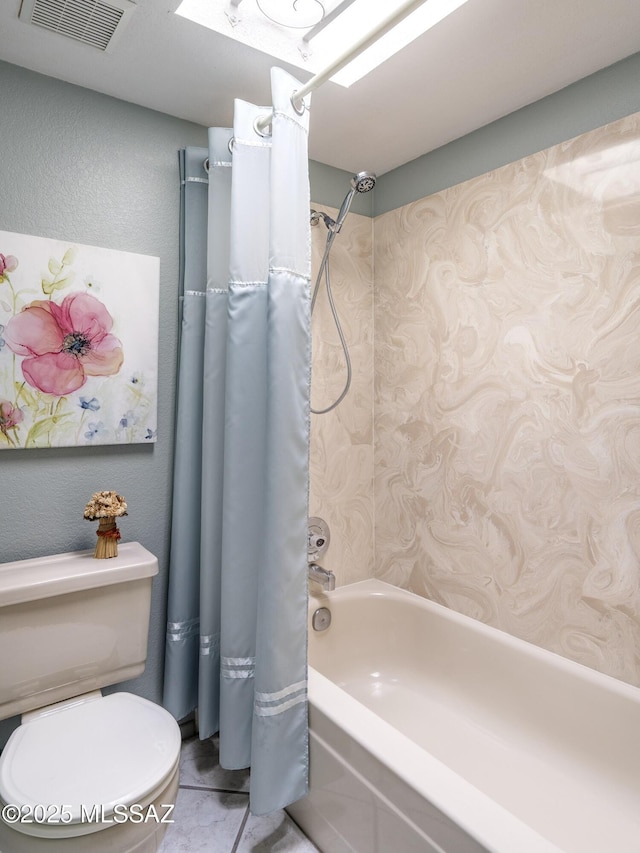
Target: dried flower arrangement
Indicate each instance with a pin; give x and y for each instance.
(106, 506)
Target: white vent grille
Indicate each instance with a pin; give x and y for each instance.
(92, 22)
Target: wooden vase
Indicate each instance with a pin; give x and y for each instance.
(108, 535)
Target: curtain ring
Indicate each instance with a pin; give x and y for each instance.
(263, 133)
(300, 110)
(229, 146)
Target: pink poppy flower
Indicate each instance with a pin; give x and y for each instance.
(7, 264)
(10, 416)
(63, 344)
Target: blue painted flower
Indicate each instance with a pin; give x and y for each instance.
(128, 419)
(92, 405)
(96, 429)
(151, 433)
(2, 340)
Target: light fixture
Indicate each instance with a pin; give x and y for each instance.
(294, 14)
(274, 27)
(363, 15)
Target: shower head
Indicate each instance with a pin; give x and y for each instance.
(363, 182)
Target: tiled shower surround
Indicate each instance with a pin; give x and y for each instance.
(342, 440)
(507, 401)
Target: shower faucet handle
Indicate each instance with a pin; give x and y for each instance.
(319, 539)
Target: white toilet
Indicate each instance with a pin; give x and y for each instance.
(85, 773)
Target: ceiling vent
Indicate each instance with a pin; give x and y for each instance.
(92, 22)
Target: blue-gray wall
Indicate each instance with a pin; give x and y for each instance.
(83, 167)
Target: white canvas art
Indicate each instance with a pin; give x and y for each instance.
(78, 344)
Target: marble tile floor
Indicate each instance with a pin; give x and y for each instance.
(212, 811)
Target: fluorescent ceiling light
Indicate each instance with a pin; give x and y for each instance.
(335, 39)
(361, 17)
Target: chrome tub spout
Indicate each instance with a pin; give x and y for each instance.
(324, 577)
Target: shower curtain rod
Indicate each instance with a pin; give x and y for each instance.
(297, 97)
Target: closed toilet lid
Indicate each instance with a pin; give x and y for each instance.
(103, 751)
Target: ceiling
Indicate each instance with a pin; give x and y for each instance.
(488, 58)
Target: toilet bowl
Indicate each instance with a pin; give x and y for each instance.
(83, 772)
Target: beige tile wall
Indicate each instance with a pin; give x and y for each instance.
(507, 398)
(342, 440)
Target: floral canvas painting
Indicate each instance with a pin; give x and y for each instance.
(78, 344)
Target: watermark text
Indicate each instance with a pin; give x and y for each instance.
(59, 814)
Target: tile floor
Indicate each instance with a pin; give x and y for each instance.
(212, 811)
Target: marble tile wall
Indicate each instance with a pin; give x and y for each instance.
(507, 399)
(341, 455)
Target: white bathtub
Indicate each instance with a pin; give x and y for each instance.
(433, 732)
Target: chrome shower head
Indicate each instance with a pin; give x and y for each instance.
(363, 182)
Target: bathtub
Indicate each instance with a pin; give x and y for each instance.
(430, 731)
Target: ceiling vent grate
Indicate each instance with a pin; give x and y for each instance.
(92, 22)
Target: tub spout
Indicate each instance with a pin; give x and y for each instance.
(324, 577)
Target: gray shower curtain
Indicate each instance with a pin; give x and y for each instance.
(236, 635)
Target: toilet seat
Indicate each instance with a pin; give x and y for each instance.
(95, 751)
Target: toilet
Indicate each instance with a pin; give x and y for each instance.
(83, 772)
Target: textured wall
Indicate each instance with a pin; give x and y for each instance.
(508, 398)
(342, 440)
(83, 167)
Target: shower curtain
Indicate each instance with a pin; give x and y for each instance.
(237, 613)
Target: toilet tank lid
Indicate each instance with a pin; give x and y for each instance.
(44, 577)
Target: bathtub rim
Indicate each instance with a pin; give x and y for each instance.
(485, 820)
(476, 813)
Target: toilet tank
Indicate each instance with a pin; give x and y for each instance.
(70, 624)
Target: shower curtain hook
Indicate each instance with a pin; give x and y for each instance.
(205, 165)
(299, 109)
(266, 134)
